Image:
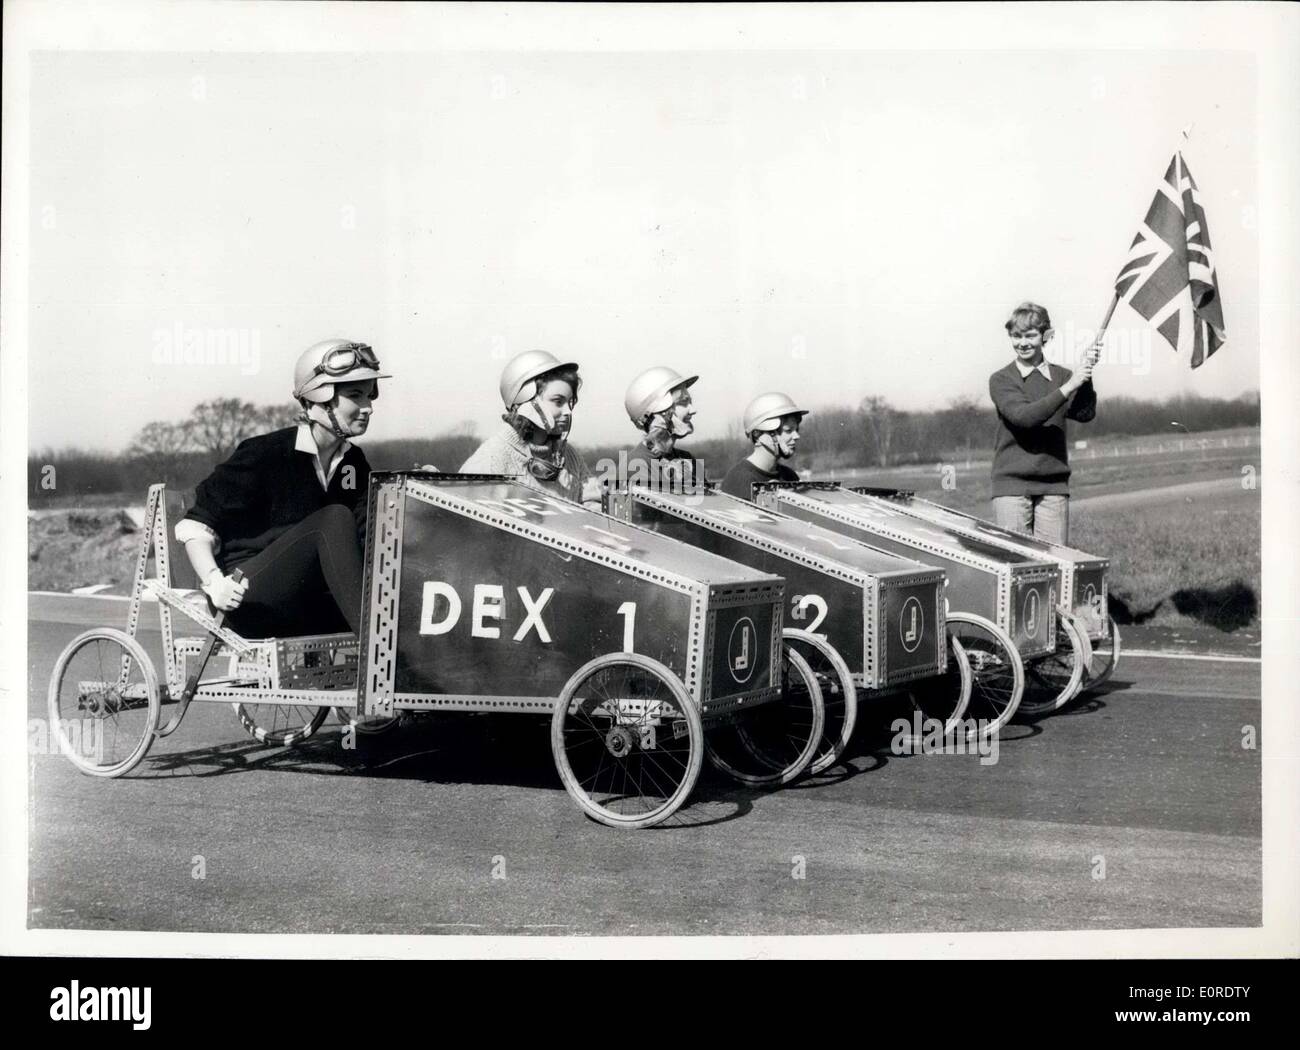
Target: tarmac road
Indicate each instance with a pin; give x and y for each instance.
(1147, 784)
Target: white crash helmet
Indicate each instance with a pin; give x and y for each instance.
(517, 378)
(765, 412)
(652, 392)
(330, 362)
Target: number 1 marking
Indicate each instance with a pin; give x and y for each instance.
(628, 611)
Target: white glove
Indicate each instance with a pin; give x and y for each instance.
(592, 490)
(224, 592)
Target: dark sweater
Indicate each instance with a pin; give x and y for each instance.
(1030, 456)
(266, 487)
(676, 471)
(740, 478)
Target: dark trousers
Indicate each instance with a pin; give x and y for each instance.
(307, 582)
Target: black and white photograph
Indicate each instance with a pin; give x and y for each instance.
(621, 480)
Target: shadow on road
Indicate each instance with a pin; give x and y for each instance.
(434, 749)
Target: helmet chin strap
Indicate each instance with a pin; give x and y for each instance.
(659, 440)
(776, 448)
(334, 425)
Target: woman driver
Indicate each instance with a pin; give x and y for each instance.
(658, 402)
(289, 507)
(539, 393)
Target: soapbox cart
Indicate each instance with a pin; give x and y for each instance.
(482, 595)
(1026, 652)
(1085, 584)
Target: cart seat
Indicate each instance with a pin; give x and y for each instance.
(183, 577)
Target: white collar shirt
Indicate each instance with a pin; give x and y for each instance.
(306, 443)
(1042, 367)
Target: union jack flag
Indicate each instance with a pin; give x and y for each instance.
(1169, 275)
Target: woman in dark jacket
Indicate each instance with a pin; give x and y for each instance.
(289, 508)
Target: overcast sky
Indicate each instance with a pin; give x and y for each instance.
(836, 225)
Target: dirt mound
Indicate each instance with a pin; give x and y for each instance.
(80, 548)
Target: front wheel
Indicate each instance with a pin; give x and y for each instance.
(998, 673)
(1054, 680)
(839, 695)
(944, 697)
(1105, 658)
(627, 740)
(104, 703)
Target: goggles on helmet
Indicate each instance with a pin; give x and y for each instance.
(345, 358)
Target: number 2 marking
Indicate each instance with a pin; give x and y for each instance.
(628, 611)
(801, 610)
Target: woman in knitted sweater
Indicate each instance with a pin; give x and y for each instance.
(539, 393)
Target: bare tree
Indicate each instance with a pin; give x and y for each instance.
(161, 449)
(735, 434)
(221, 424)
(275, 417)
(882, 421)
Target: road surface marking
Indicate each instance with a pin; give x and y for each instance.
(1188, 656)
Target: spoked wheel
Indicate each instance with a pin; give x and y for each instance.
(280, 725)
(998, 673)
(839, 695)
(627, 740)
(945, 697)
(1054, 680)
(372, 726)
(775, 742)
(1105, 658)
(104, 702)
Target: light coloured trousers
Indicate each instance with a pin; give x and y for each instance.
(1047, 517)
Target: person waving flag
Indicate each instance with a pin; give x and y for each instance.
(1168, 276)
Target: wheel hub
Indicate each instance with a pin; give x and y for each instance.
(619, 741)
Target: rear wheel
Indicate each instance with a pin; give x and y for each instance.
(627, 740)
(839, 695)
(366, 726)
(104, 703)
(775, 742)
(997, 671)
(280, 725)
(1054, 680)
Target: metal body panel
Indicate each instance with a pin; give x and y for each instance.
(983, 578)
(884, 613)
(1084, 577)
(501, 594)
